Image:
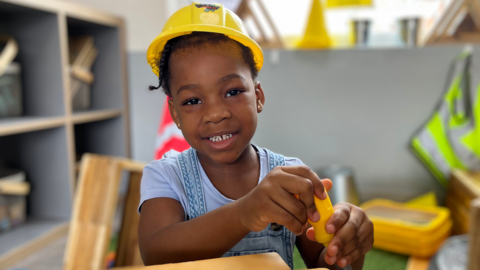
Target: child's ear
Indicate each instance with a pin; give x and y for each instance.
(173, 113)
(260, 96)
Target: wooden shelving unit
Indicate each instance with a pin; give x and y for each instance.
(50, 138)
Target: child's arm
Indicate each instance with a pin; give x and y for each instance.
(353, 239)
(164, 236)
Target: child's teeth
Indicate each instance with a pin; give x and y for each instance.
(220, 138)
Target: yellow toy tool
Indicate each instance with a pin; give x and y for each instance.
(325, 209)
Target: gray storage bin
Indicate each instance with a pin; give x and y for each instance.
(11, 92)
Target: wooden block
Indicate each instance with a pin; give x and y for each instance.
(417, 264)
(14, 188)
(455, 191)
(468, 182)
(464, 186)
(474, 245)
(460, 215)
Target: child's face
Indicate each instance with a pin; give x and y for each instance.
(214, 95)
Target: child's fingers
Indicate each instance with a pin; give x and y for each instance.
(304, 171)
(303, 187)
(364, 235)
(348, 231)
(311, 234)
(283, 217)
(327, 184)
(291, 204)
(340, 216)
(356, 253)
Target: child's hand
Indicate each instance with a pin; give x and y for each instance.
(272, 201)
(353, 234)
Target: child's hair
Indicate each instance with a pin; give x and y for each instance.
(193, 40)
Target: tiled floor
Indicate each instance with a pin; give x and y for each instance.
(48, 258)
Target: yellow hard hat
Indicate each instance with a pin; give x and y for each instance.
(213, 18)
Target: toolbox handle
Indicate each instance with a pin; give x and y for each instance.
(9, 52)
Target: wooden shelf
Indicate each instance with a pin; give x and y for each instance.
(92, 116)
(17, 243)
(46, 141)
(16, 125)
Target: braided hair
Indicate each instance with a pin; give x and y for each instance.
(196, 39)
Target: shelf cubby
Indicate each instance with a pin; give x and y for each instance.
(107, 70)
(101, 137)
(44, 159)
(38, 38)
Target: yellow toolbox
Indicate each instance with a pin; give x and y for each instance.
(408, 229)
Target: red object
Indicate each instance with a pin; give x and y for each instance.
(169, 136)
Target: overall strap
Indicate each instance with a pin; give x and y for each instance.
(274, 160)
(192, 183)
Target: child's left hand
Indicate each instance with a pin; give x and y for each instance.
(353, 235)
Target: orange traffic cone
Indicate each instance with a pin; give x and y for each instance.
(316, 36)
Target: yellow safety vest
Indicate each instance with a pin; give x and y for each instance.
(451, 138)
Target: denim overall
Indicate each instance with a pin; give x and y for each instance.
(274, 238)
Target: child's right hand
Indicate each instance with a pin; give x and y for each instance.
(273, 201)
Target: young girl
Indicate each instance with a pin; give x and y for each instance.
(225, 196)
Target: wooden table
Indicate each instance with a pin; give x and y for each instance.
(265, 261)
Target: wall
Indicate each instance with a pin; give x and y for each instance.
(358, 108)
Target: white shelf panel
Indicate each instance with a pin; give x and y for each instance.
(16, 125)
(96, 115)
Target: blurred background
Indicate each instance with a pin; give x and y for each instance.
(353, 88)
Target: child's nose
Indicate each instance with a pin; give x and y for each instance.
(216, 113)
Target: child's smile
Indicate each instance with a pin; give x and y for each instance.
(221, 140)
(214, 100)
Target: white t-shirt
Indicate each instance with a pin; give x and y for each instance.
(161, 179)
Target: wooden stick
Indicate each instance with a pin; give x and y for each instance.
(257, 23)
(14, 188)
(272, 24)
(475, 12)
(474, 250)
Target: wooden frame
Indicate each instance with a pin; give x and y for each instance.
(244, 11)
(450, 27)
(94, 209)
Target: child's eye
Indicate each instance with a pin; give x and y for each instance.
(192, 101)
(233, 92)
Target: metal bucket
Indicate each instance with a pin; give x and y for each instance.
(344, 188)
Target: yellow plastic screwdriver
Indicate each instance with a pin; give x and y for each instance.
(325, 208)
